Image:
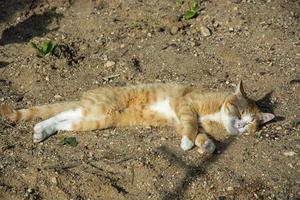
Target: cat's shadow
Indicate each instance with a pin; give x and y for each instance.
(3, 64)
(265, 104)
(34, 26)
(192, 172)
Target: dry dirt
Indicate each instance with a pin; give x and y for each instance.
(114, 42)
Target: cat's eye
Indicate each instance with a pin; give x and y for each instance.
(242, 112)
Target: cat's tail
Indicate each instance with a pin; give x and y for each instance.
(44, 111)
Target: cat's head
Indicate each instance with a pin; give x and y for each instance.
(240, 114)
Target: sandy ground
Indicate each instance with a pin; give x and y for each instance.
(137, 41)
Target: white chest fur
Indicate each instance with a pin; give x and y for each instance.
(212, 117)
(222, 118)
(164, 108)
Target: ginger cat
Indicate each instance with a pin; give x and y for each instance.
(195, 113)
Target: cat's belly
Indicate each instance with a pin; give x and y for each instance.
(164, 108)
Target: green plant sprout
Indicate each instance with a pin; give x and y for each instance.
(68, 141)
(179, 2)
(44, 49)
(192, 11)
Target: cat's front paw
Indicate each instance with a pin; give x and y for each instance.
(186, 143)
(207, 148)
(42, 131)
(205, 144)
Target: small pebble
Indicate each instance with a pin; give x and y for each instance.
(109, 63)
(289, 153)
(205, 31)
(105, 58)
(216, 24)
(29, 190)
(278, 128)
(54, 180)
(230, 188)
(290, 165)
(174, 30)
(57, 96)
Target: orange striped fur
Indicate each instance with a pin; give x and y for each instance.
(195, 113)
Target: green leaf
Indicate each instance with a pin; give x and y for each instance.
(179, 2)
(45, 49)
(189, 14)
(194, 6)
(34, 45)
(45, 46)
(68, 141)
(50, 47)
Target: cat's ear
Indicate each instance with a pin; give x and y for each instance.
(240, 89)
(266, 117)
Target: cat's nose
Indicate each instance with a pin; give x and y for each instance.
(239, 124)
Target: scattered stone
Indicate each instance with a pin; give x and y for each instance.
(291, 165)
(54, 180)
(278, 128)
(109, 63)
(105, 58)
(57, 96)
(174, 30)
(29, 190)
(193, 44)
(289, 153)
(230, 188)
(216, 24)
(205, 31)
(108, 78)
(231, 29)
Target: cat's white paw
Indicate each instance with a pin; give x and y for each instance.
(186, 143)
(208, 147)
(42, 131)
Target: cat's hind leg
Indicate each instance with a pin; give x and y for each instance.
(61, 121)
(71, 120)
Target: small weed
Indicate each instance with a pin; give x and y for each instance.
(134, 25)
(68, 141)
(192, 11)
(44, 49)
(179, 2)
